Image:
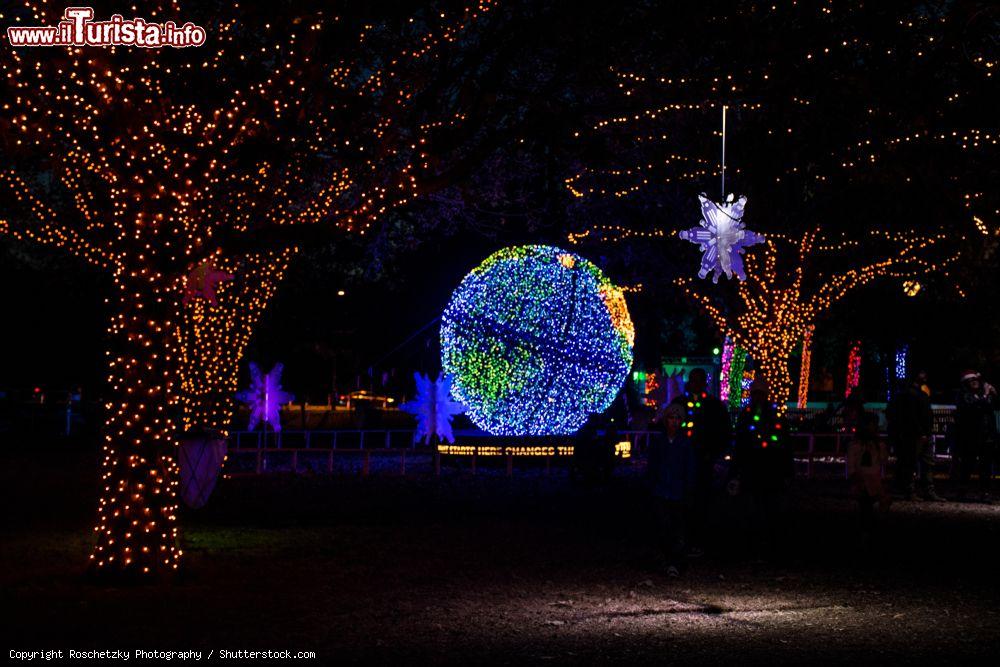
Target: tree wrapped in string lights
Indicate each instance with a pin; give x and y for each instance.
(192, 176)
(778, 306)
(822, 127)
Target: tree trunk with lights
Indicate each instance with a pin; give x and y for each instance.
(777, 308)
(219, 166)
(212, 333)
(136, 527)
(772, 366)
(173, 368)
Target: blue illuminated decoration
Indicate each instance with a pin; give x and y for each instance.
(536, 339)
(901, 354)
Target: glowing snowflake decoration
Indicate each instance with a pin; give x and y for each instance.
(265, 397)
(722, 238)
(433, 408)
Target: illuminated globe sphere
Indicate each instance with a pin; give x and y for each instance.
(536, 339)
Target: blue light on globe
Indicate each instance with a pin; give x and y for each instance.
(536, 339)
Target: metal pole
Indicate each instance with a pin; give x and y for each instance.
(723, 152)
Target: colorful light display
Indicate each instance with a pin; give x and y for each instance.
(853, 369)
(433, 408)
(759, 426)
(737, 379)
(694, 413)
(721, 237)
(536, 339)
(172, 172)
(265, 397)
(727, 360)
(654, 390)
(775, 309)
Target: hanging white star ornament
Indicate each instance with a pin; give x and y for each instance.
(721, 237)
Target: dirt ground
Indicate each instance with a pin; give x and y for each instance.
(463, 570)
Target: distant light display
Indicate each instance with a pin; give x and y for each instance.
(853, 369)
(536, 339)
(901, 354)
(727, 360)
(736, 377)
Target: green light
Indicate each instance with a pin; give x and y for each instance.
(774, 438)
(756, 418)
(536, 339)
(715, 351)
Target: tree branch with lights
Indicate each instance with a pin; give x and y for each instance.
(777, 305)
(194, 176)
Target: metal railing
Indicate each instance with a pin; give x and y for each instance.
(260, 465)
(828, 447)
(355, 439)
(809, 454)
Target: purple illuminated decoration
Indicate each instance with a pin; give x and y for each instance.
(265, 397)
(722, 238)
(727, 362)
(433, 408)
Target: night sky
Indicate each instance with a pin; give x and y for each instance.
(551, 73)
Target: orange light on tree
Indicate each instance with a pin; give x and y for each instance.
(775, 309)
(204, 164)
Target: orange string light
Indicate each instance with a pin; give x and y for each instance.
(153, 184)
(776, 310)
